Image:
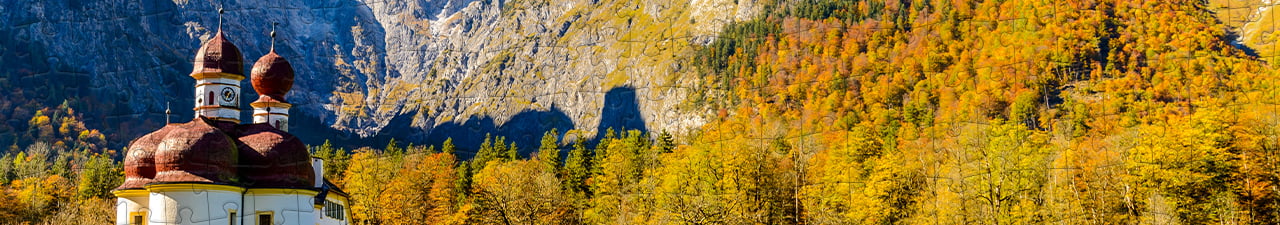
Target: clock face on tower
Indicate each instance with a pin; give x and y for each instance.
(228, 95)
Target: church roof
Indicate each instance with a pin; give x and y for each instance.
(139, 161)
(271, 157)
(196, 151)
(272, 76)
(218, 152)
(218, 55)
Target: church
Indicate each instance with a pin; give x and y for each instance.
(215, 169)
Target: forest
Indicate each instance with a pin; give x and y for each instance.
(839, 112)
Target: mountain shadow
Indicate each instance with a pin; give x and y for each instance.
(620, 112)
(525, 129)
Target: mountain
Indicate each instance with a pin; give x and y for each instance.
(418, 70)
(1252, 23)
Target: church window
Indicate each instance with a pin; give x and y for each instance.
(333, 210)
(264, 218)
(210, 98)
(138, 218)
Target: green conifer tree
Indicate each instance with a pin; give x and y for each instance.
(549, 152)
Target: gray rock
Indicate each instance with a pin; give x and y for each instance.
(396, 68)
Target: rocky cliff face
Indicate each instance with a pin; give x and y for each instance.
(1253, 23)
(416, 69)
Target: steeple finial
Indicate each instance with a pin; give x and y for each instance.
(220, 11)
(166, 112)
(273, 35)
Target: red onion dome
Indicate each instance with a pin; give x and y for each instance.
(270, 157)
(196, 152)
(272, 76)
(219, 55)
(139, 161)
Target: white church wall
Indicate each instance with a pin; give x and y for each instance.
(287, 206)
(189, 203)
(322, 219)
(275, 116)
(129, 203)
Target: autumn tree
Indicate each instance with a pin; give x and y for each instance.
(1185, 165)
(520, 192)
(423, 191)
(619, 194)
(98, 177)
(41, 196)
(366, 180)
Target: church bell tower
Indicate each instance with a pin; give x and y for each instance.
(272, 79)
(219, 68)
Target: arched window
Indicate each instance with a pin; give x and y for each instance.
(210, 102)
